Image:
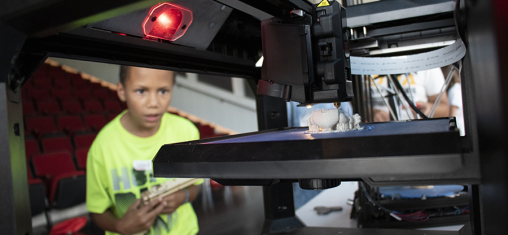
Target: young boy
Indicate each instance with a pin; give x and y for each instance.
(119, 160)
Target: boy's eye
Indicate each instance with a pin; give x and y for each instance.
(140, 91)
(163, 91)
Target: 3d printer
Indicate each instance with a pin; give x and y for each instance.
(307, 50)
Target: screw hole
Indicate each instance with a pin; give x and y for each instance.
(184, 26)
(154, 18)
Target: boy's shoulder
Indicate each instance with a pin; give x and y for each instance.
(178, 123)
(173, 119)
(108, 133)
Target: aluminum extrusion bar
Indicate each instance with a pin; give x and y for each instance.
(98, 46)
(258, 14)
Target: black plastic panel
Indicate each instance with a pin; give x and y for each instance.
(208, 17)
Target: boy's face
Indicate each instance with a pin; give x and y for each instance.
(147, 93)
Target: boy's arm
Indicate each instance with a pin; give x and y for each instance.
(135, 220)
(177, 199)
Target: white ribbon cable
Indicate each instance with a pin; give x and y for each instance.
(410, 63)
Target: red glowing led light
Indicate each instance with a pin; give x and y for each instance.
(167, 21)
(163, 19)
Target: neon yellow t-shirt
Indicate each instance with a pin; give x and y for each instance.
(112, 182)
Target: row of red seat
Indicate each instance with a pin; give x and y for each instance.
(55, 77)
(69, 124)
(72, 106)
(81, 93)
(56, 180)
(58, 144)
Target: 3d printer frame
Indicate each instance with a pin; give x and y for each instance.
(26, 44)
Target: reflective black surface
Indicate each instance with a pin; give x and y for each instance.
(230, 210)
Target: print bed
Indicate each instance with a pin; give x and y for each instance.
(430, 146)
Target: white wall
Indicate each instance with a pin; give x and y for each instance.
(232, 110)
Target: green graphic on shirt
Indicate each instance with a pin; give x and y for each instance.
(160, 224)
(138, 177)
(123, 202)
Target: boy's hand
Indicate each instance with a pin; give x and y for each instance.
(173, 201)
(139, 219)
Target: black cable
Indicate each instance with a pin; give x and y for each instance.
(411, 104)
(371, 200)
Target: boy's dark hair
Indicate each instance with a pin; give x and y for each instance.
(125, 70)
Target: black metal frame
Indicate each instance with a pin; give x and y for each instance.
(15, 211)
(485, 100)
(278, 199)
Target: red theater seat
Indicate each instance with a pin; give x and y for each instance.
(56, 73)
(81, 156)
(43, 69)
(28, 108)
(39, 73)
(84, 141)
(40, 125)
(49, 165)
(93, 106)
(42, 82)
(95, 86)
(113, 106)
(48, 107)
(113, 94)
(100, 93)
(72, 106)
(57, 144)
(63, 83)
(31, 149)
(82, 94)
(77, 81)
(205, 131)
(68, 189)
(61, 94)
(112, 116)
(70, 124)
(37, 94)
(95, 122)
